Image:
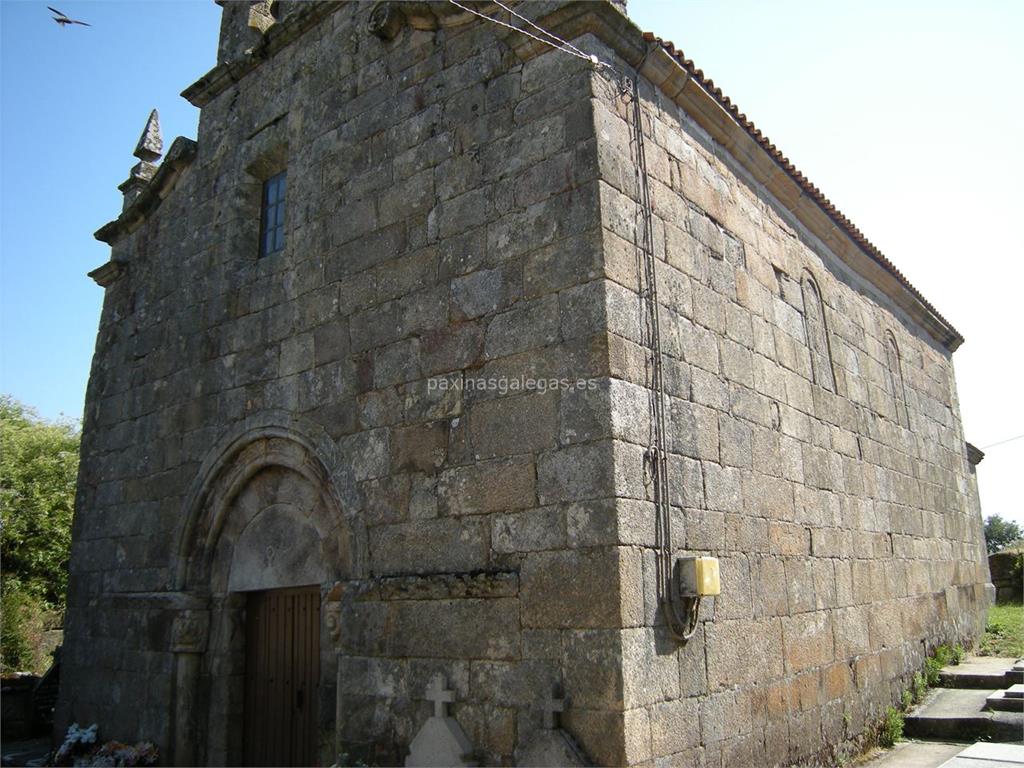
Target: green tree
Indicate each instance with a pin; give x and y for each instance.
(1000, 532)
(38, 472)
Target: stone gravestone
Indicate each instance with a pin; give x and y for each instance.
(552, 746)
(441, 741)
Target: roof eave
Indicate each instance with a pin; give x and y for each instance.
(679, 79)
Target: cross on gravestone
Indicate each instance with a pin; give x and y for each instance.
(552, 706)
(438, 693)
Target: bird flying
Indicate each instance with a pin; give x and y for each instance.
(63, 19)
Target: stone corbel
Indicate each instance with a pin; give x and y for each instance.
(190, 632)
(332, 612)
(388, 17)
(385, 21)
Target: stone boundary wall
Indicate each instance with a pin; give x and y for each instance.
(1007, 576)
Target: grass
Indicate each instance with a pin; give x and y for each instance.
(1004, 633)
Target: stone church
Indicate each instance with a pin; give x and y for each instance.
(482, 386)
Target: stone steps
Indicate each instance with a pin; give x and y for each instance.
(1000, 702)
(982, 672)
(960, 714)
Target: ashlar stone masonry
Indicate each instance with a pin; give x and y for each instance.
(463, 203)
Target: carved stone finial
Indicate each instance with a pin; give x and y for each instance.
(261, 16)
(151, 143)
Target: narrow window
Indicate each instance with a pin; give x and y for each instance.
(895, 371)
(817, 335)
(272, 216)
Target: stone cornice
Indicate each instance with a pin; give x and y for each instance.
(746, 146)
(301, 20)
(180, 155)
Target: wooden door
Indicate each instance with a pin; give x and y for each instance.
(282, 669)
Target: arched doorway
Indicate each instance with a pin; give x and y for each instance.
(264, 543)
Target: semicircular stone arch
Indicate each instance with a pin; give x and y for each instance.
(270, 513)
(265, 517)
(816, 330)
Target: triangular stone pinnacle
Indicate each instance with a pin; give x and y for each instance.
(151, 143)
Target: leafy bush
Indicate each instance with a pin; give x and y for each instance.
(892, 727)
(38, 472)
(21, 632)
(932, 668)
(958, 653)
(944, 655)
(907, 700)
(1000, 533)
(1017, 567)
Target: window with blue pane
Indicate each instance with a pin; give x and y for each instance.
(272, 219)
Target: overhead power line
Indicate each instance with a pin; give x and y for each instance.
(1002, 442)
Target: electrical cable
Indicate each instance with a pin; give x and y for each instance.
(680, 627)
(561, 45)
(1001, 442)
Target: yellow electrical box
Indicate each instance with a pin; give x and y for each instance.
(698, 576)
(708, 582)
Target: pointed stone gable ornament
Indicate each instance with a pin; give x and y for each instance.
(148, 150)
(151, 143)
(441, 741)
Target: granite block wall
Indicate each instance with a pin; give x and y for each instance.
(835, 491)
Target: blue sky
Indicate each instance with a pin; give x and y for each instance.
(906, 114)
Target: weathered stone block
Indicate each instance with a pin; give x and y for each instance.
(576, 473)
(807, 641)
(528, 531)
(529, 324)
(572, 588)
(458, 629)
(493, 486)
(424, 546)
(419, 448)
(484, 292)
(512, 425)
(592, 666)
(731, 644)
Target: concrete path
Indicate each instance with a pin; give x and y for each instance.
(988, 756)
(913, 754)
(941, 754)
